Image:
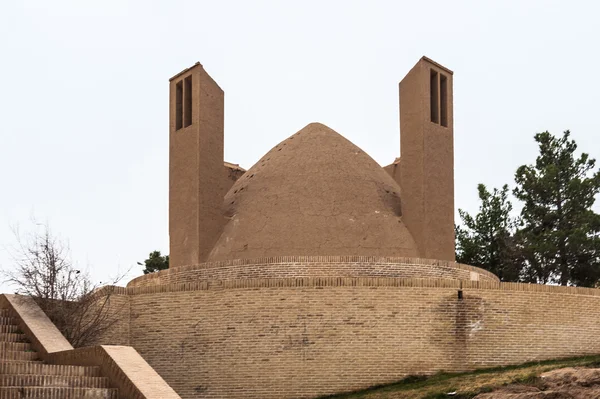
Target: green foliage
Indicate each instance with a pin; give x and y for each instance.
(486, 240)
(155, 262)
(556, 238)
(559, 231)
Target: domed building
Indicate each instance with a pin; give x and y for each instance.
(315, 193)
(319, 271)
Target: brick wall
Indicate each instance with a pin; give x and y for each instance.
(112, 308)
(315, 266)
(310, 336)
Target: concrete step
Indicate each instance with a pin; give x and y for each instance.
(57, 393)
(8, 321)
(38, 368)
(17, 355)
(12, 337)
(32, 380)
(9, 329)
(15, 346)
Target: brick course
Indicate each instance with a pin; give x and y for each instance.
(115, 372)
(314, 266)
(303, 337)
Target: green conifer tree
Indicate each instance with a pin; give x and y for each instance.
(155, 262)
(486, 240)
(559, 233)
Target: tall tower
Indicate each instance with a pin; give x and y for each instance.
(195, 165)
(427, 158)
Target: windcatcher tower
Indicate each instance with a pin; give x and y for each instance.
(196, 121)
(427, 158)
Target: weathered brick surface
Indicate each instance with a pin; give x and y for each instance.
(45, 337)
(96, 371)
(304, 337)
(124, 368)
(57, 393)
(315, 266)
(113, 303)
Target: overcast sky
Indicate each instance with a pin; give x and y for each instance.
(84, 96)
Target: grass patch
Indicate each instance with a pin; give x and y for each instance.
(528, 379)
(466, 385)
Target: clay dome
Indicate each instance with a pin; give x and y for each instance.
(315, 193)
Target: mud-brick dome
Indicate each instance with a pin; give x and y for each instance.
(315, 193)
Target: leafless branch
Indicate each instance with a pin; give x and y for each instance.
(43, 270)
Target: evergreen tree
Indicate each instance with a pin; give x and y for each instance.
(155, 262)
(486, 240)
(560, 233)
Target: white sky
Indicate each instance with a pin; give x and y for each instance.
(84, 106)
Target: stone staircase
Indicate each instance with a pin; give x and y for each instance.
(23, 375)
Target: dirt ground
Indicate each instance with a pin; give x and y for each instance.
(565, 383)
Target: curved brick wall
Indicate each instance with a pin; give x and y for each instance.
(302, 337)
(315, 266)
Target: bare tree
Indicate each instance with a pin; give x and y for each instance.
(43, 270)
